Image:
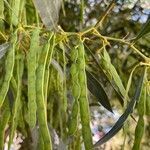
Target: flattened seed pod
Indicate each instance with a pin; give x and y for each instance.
(20, 68)
(31, 66)
(15, 12)
(49, 59)
(9, 66)
(41, 107)
(142, 102)
(64, 86)
(4, 121)
(83, 100)
(73, 123)
(1, 15)
(139, 131)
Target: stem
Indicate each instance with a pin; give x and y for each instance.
(145, 64)
(103, 16)
(127, 43)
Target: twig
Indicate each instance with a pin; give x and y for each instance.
(103, 16)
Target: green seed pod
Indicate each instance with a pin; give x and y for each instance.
(78, 141)
(74, 118)
(9, 66)
(31, 66)
(82, 77)
(139, 131)
(147, 101)
(73, 122)
(81, 51)
(47, 70)
(73, 70)
(64, 85)
(76, 90)
(4, 121)
(20, 68)
(142, 102)
(15, 12)
(74, 54)
(40, 145)
(81, 64)
(40, 99)
(2, 15)
(83, 101)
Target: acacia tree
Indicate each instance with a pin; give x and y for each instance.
(60, 58)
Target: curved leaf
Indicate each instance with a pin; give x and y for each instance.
(98, 91)
(120, 97)
(140, 127)
(145, 30)
(118, 125)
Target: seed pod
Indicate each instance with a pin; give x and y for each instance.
(40, 145)
(41, 107)
(142, 102)
(78, 141)
(73, 122)
(31, 66)
(49, 59)
(83, 100)
(73, 70)
(4, 121)
(9, 66)
(74, 118)
(1, 15)
(76, 90)
(64, 86)
(20, 68)
(74, 55)
(82, 80)
(15, 12)
(147, 102)
(139, 131)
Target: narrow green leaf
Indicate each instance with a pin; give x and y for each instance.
(145, 30)
(118, 125)
(147, 101)
(139, 131)
(98, 91)
(129, 84)
(141, 105)
(104, 73)
(138, 134)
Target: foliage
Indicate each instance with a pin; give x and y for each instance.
(49, 72)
